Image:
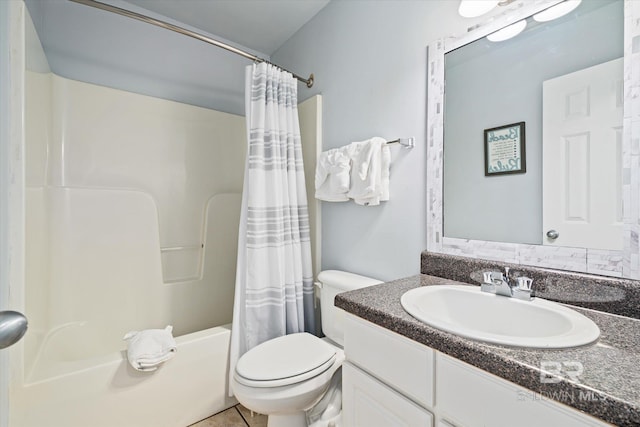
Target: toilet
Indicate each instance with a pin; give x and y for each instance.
(286, 376)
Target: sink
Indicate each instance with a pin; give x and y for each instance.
(471, 313)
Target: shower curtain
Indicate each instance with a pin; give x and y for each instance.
(274, 279)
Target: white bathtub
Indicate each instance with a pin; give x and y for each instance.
(110, 393)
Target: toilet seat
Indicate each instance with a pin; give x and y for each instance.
(285, 360)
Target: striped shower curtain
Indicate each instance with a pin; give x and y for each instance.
(274, 281)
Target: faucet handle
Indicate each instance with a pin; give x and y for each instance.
(488, 281)
(523, 289)
(525, 283)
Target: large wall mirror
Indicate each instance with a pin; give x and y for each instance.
(531, 153)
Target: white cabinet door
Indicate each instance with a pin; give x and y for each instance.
(582, 157)
(367, 402)
(470, 397)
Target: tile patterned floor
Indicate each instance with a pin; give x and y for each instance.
(237, 416)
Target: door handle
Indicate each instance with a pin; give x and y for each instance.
(13, 326)
(553, 234)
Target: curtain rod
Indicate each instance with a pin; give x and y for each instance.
(184, 31)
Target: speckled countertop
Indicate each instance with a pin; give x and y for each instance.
(609, 387)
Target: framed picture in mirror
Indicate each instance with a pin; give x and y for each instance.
(504, 150)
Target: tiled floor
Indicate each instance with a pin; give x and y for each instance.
(238, 416)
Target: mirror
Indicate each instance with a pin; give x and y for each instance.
(491, 84)
(490, 87)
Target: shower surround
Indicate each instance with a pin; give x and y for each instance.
(131, 215)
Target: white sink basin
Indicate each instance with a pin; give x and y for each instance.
(468, 312)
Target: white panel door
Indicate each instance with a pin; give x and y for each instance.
(12, 66)
(582, 157)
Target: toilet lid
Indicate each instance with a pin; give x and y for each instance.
(285, 360)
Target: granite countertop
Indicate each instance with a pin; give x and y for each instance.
(608, 388)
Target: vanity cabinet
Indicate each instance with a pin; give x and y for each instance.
(389, 380)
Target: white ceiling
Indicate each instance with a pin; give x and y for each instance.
(261, 25)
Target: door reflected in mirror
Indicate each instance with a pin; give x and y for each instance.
(563, 79)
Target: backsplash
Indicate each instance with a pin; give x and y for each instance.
(608, 294)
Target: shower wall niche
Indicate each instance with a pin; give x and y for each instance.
(132, 208)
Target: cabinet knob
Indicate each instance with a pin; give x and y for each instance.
(553, 234)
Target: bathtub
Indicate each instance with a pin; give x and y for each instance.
(108, 392)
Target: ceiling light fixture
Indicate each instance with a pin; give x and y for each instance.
(556, 11)
(473, 8)
(508, 32)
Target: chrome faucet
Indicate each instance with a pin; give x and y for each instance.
(499, 283)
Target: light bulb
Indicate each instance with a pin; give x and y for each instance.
(473, 8)
(508, 32)
(556, 11)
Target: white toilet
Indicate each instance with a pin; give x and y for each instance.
(286, 376)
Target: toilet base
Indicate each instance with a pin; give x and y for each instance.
(295, 419)
(285, 405)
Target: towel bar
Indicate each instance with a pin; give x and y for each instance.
(405, 142)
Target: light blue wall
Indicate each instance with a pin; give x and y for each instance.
(370, 63)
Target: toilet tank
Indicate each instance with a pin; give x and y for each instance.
(333, 282)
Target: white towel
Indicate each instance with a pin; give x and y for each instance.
(385, 165)
(366, 171)
(149, 348)
(332, 175)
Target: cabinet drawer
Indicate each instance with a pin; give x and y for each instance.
(397, 361)
(369, 403)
